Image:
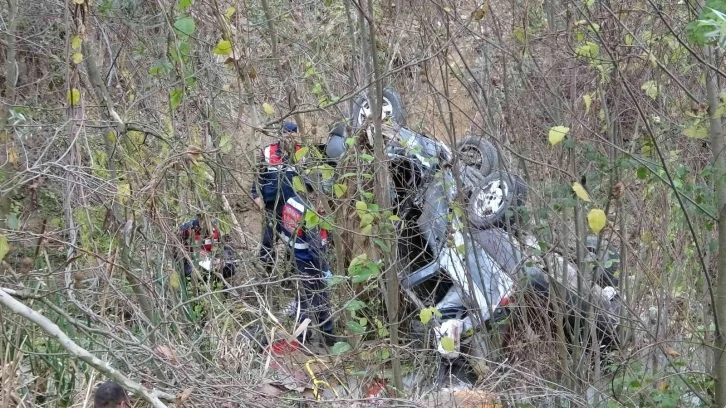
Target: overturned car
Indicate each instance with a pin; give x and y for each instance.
(463, 251)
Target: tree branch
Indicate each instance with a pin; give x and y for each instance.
(153, 397)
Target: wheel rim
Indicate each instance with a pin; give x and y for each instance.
(471, 156)
(490, 199)
(366, 110)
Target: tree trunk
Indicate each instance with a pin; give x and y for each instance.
(383, 198)
(717, 145)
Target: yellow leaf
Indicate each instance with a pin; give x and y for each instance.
(447, 9)
(79, 1)
(174, 281)
(76, 42)
(588, 102)
(557, 134)
(77, 58)
(229, 12)
(447, 343)
(580, 191)
(224, 47)
(596, 220)
(73, 96)
(269, 110)
(4, 247)
(12, 156)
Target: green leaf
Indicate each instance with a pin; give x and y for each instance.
(73, 96)
(184, 4)
(225, 144)
(642, 173)
(367, 229)
(426, 314)
(229, 12)
(650, 88)
(161, 67)
(311, 219)
(696, 131)
(301, 153)
(339, 190)
(366, 219)
(13, 222)
(340, 348)
(297, 184)
(175, 97)
(317, 89)
(4, 247)
(447, 343)
(355, 327)
(382, 244)
(354, 305)
(223, 47)
(76, 42)
(589, 49)
(361, 207)
(350, 141)
(366, 157)
(185, 25)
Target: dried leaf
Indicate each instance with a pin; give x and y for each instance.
(650, 88)
(580, 191)
(672, 353)
(557, 134)
(167, 353)
(596, 220)
(4, 246)
(618, 190)
(588, 102)
(183, 396)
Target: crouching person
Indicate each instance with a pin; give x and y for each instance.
(212, 255)
(308, 246)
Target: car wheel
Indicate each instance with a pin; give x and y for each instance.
(478, 158)
(489, 202)
(392, 109)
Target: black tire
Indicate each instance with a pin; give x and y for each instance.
(390, 98)
(498, 193)
(478, 158)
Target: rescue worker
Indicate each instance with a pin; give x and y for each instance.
(196, 234)
(273, 185)
(308, 246)
(110, 395)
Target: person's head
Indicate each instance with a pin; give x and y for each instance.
(110, 395)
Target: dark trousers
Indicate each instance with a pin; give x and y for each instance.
(270, 230)
(314, 298)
